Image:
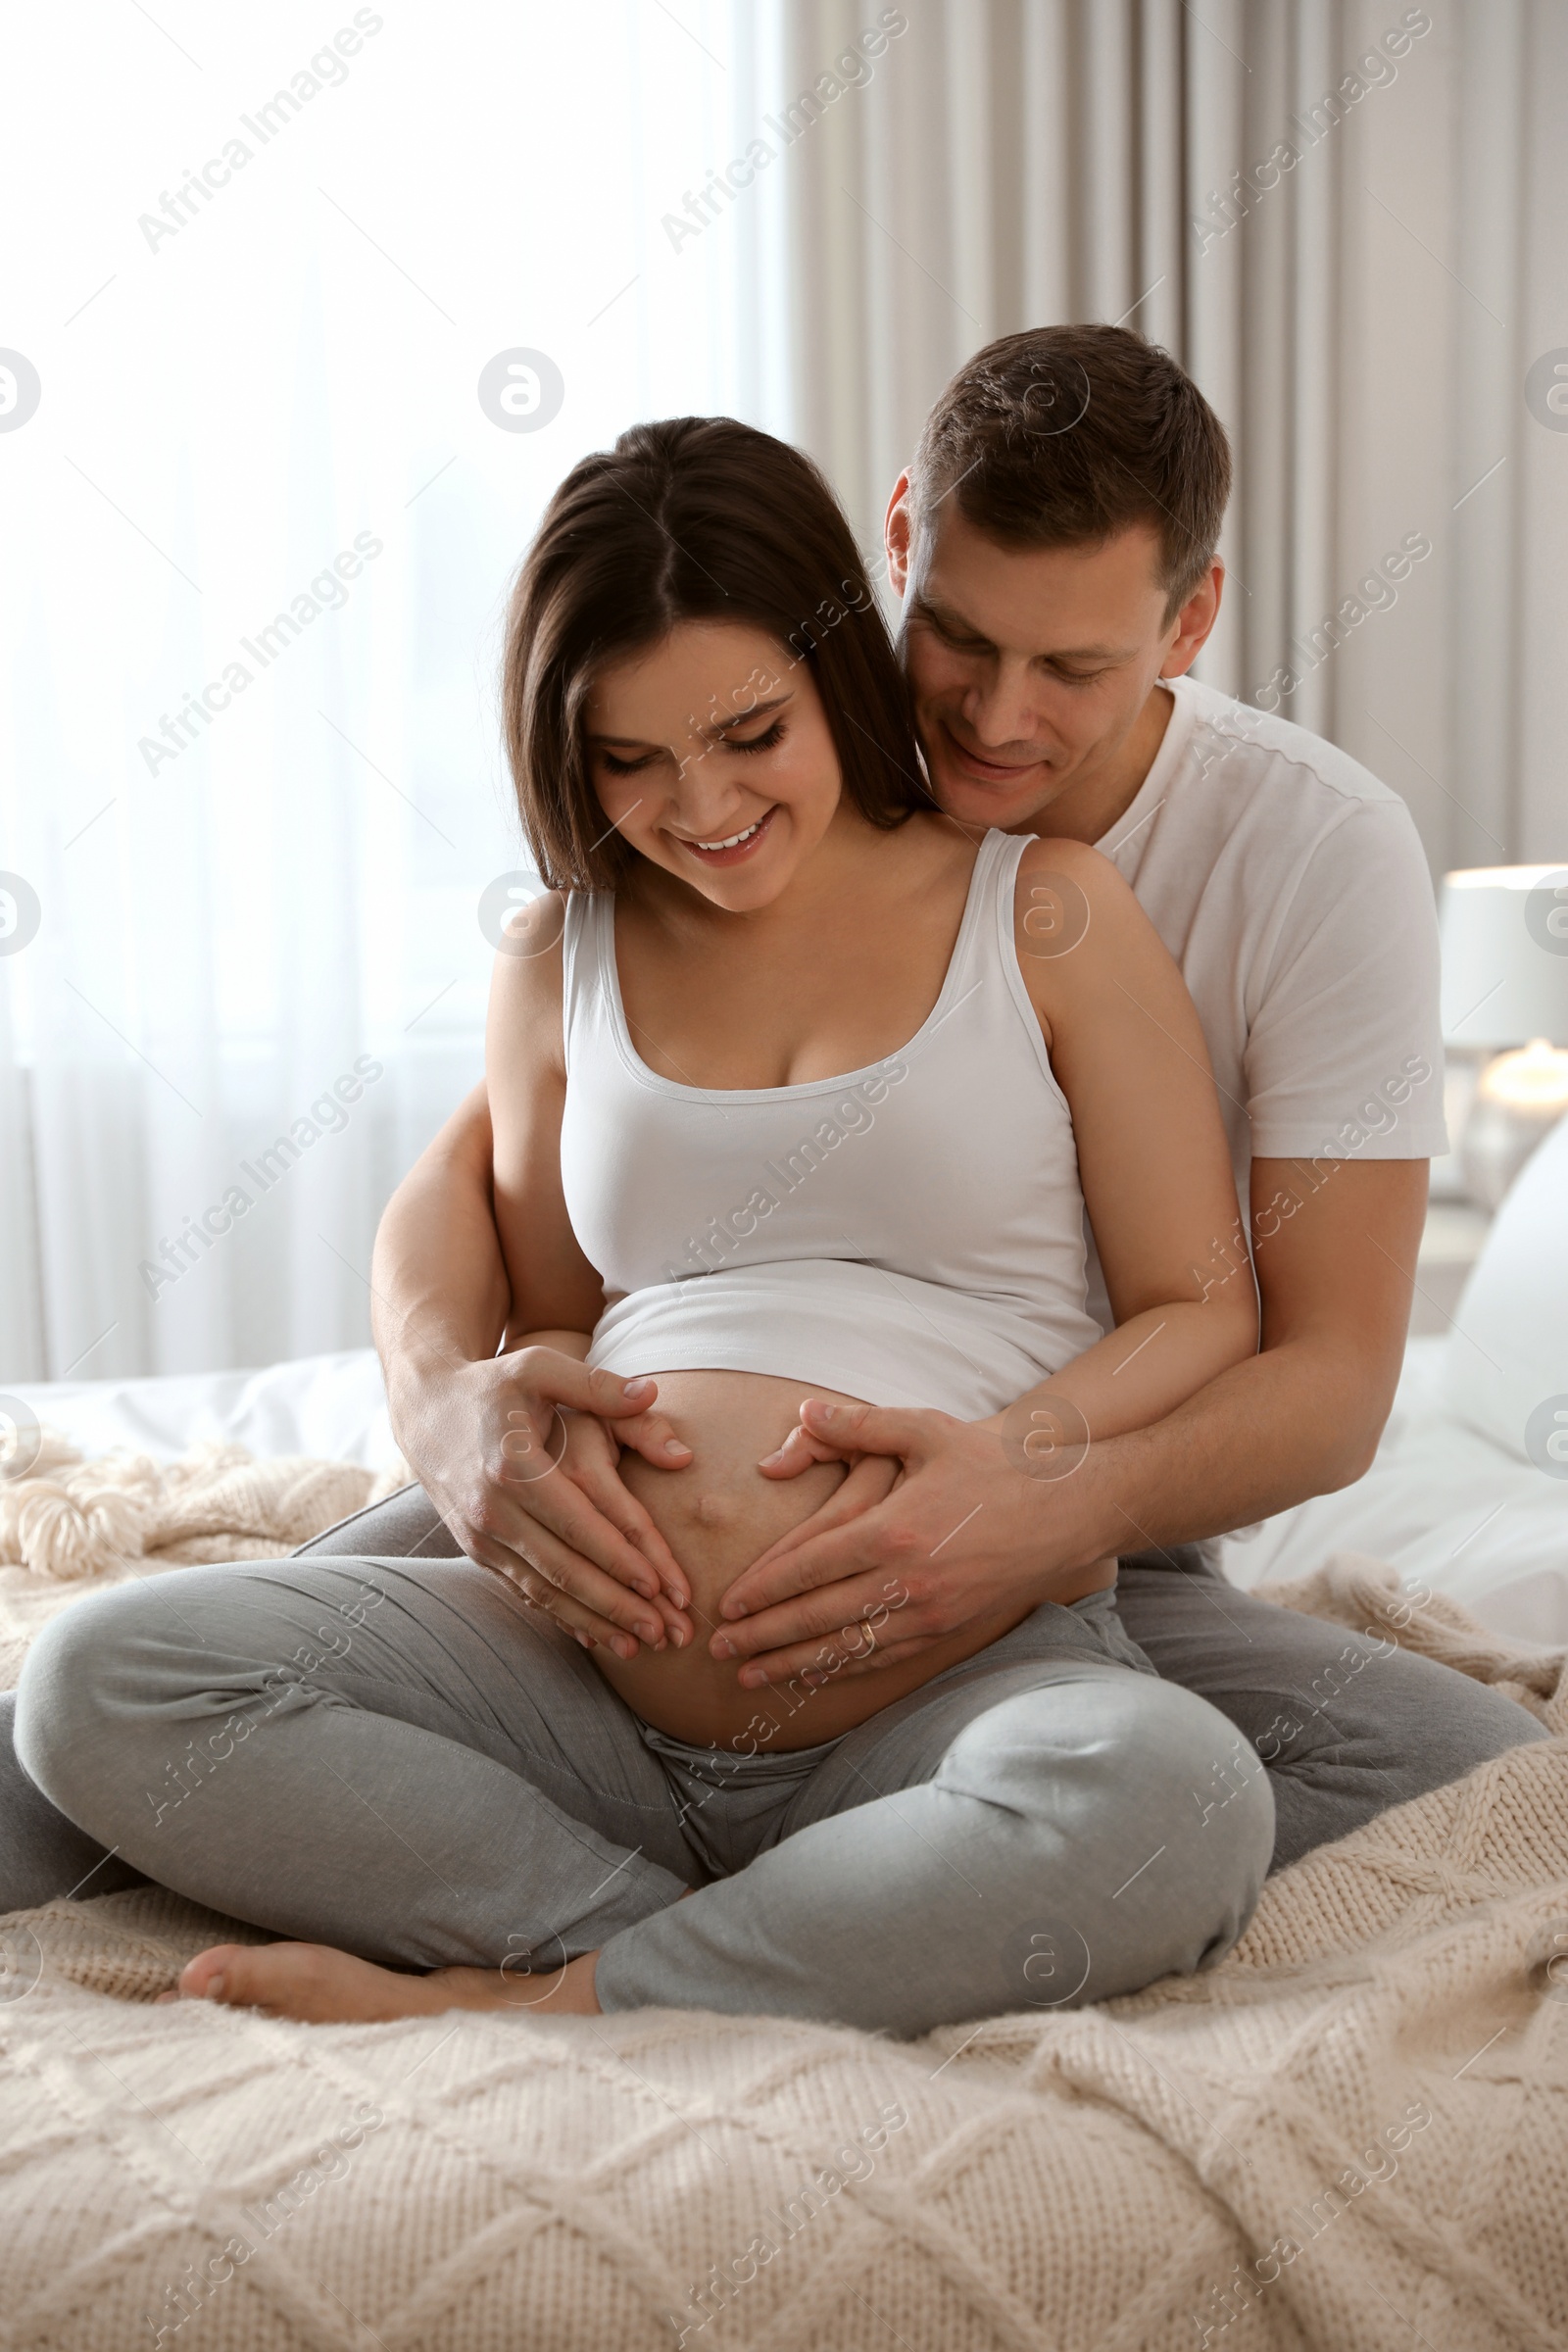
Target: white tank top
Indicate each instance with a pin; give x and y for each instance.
(910, 1234)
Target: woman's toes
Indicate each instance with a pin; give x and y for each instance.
(320, 1987)
(305, 1980)
(205, 1979)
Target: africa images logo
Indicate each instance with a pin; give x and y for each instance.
(1547, 1436)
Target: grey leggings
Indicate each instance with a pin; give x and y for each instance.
(402, 1759)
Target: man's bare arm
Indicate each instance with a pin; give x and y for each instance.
(1336, 1245)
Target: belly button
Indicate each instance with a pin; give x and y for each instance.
(712, 1510)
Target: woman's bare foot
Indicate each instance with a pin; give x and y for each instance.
(321, 1986)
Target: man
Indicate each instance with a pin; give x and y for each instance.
(1053, 543)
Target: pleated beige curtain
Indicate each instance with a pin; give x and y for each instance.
(1363, 317)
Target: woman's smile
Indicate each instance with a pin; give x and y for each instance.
(735, 848)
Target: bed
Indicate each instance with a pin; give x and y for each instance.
(1349, 2136)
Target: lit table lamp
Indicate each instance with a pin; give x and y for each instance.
(1506, 995)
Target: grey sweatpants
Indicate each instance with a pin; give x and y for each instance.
(1346, 1724)
(402, 1759)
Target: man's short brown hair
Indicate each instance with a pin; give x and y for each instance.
(1061, 437)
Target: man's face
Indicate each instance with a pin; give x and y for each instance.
(1032, 668)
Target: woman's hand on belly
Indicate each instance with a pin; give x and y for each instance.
(543, 1503)
(591, 1456)
(719, 1515)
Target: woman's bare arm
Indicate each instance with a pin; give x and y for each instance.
(441, 1306)
(439, 1295)
(1128, 1052)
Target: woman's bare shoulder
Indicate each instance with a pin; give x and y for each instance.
(523, 1033)
(1082, 936)
(1089, 869)
(1066, 890)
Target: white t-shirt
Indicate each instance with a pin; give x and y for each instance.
(1290, 887)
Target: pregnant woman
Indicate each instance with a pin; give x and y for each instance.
(800, 1091)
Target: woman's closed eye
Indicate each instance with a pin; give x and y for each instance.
(765, 742)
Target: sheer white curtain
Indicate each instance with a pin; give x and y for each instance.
(258, 303)
(1345, 217)
(803, 211)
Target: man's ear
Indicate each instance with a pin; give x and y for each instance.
(1194, 622)
(898, 535)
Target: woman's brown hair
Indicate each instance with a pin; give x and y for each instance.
(695, 519)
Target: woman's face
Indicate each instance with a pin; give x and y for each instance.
(712, 754)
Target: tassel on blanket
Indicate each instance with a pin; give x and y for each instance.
(70, 1519)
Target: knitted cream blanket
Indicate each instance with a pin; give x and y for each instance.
(127, 1513)
(1350, 2136)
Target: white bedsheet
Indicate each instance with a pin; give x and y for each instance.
(1466, 1494)
(1446, 1506)
(334, 1406)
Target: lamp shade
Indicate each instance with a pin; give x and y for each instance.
(1504, 932)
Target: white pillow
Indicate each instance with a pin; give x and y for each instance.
(1506, 1372)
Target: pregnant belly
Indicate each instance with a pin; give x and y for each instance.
(717, 1515)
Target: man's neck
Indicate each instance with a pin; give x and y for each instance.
(1091, 805)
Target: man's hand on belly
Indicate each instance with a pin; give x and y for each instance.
(935, 1504)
